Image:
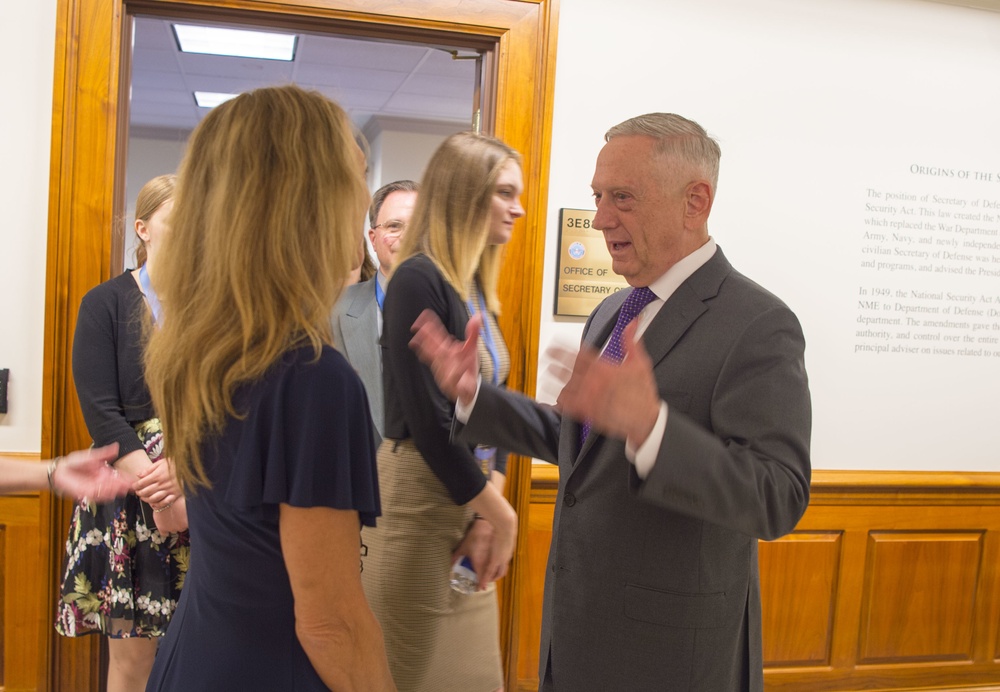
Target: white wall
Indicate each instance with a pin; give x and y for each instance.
(27, 48)
(816, 102)
(401, 147)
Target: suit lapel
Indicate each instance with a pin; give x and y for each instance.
(361, 336)
(362, 297)
(600, 327)
(685, 306)
(361, 343)
(676, 316)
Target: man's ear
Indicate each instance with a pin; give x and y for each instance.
(699, 196)
(371, 236)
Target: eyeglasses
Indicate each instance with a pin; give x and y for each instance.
(392, 228)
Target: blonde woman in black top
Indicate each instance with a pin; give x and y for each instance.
(443, 501)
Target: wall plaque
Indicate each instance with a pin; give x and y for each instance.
(584, 277)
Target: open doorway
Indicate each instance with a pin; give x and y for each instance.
(404, 97)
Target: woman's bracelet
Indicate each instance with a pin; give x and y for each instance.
(50, 471)
(164, 508)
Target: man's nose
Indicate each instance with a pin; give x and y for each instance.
(604, 218)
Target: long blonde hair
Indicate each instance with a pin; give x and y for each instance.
(451, 220)
(262, 236)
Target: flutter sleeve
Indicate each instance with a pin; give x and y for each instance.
(306, 440)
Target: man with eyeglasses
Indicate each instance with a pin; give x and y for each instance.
(357, 319)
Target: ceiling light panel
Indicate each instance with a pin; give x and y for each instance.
(238, 43)
(211, 99)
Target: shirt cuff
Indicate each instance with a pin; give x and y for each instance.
(644, 458)
(462, 412)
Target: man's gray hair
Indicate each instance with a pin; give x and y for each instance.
(379, 197)
(676, 136)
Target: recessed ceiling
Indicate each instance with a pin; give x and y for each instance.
(366, 77)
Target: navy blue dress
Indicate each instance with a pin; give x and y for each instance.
(306, 441)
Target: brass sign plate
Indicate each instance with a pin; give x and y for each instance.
(584, 277)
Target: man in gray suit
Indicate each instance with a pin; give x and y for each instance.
(681, 438)
(357, 318)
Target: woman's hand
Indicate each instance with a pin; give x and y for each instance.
(476, 545)
(499, 533)
(171, 518)
(501, 552)
(489, 550)
(158, 485)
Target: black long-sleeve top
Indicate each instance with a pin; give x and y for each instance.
(414, 405)
(107, 363)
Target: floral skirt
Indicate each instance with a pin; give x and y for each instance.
(122, 577)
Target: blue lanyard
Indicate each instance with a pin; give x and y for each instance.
(487, 335)
(379, 295)
(147, 290)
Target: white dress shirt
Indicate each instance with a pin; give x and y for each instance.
(644, 457)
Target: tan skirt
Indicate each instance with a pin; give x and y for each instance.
(436, 639)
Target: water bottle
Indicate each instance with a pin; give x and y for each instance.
(487, 458)
(463, 576)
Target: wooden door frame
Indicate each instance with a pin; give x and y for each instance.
(84, 197)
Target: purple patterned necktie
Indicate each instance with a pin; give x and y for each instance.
(633, 305)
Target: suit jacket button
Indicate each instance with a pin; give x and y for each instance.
(570, 499)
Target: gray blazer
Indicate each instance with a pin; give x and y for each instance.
(653, 585)
(355, 334)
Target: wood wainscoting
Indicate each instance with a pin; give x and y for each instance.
(891, 581)
(23, 584)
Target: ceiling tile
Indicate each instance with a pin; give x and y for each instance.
(269, 71)
(419, 105)
(154, 33)
(441, 63)
(447, 87)
(343, 76)
(166, 81)
(366, 77)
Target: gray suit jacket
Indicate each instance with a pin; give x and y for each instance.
(355, 334)
(653, 585)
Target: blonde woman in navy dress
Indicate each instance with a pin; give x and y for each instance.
(267, 424)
